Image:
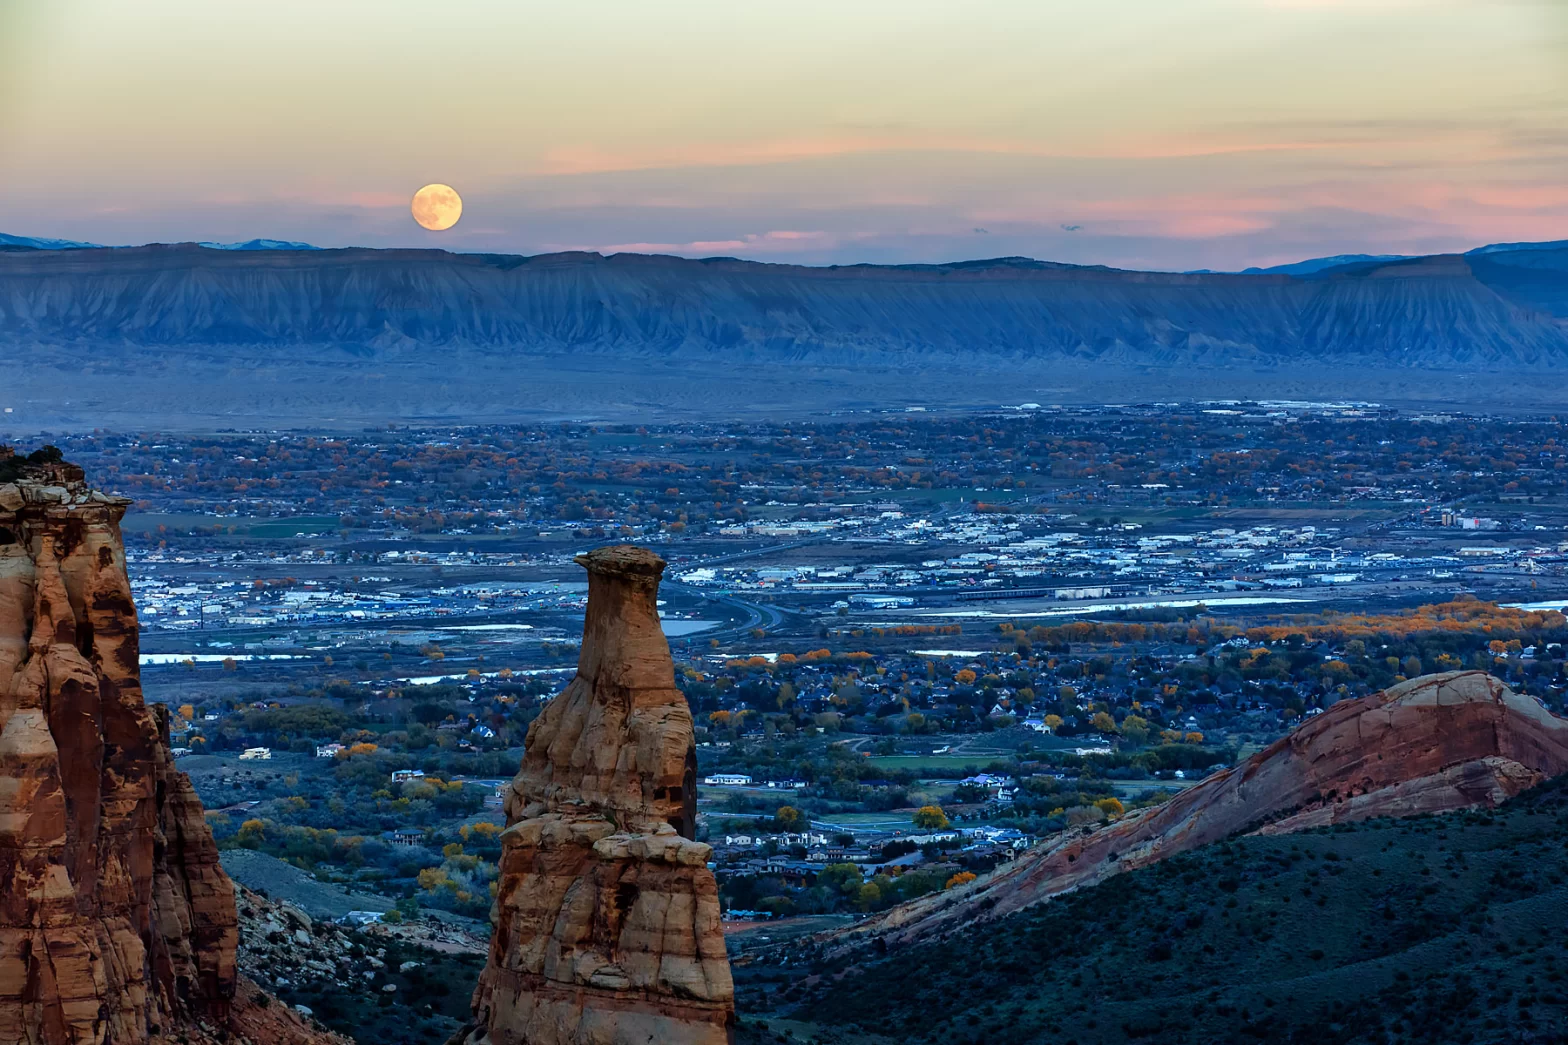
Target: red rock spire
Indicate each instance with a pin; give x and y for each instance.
(607, 918)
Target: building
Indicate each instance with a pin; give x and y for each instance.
(400, 776)
(256, 754)
(328, 750)
(716, 780)
(406, 836)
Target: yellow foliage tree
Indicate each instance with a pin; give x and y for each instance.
(930, 818)
(961, 878)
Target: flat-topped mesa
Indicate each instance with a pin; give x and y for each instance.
(117, 923)
(606, 918)
(1433, 744)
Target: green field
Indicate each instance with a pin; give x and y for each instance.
(291, 527)
(888, 820)
(934, 763)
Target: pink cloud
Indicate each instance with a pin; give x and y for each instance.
(780, 241)
(588, 159)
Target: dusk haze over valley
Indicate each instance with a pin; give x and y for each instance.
(848, 524)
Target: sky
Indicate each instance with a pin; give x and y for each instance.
(1165, 134)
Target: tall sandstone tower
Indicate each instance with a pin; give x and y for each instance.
(607, 920)
(117, 923)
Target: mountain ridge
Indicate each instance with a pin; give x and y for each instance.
(182, 331)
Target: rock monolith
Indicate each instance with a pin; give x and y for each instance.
(606, 923)
(117, 923)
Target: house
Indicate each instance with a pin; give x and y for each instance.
(361, 918)
(727, 780)
(179, 752)
(400, 776)
(406, 836)
(255, 754)
(328, 750)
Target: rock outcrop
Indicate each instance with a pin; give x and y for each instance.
(607, 918)
(1430, 745)
(117, 923)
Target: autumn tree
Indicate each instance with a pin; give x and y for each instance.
(930, 818)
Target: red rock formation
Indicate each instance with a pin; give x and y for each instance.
(607, 920)
(1430, 745)
(117, 924)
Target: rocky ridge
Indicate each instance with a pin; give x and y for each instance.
(180, 335)
(1430, 745)
(118, 923)
(607, 925)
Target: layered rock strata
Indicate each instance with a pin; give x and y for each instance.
(607, 918)
(1430, 745)
(117, 923)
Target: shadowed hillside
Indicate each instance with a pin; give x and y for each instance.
(340, 334)
(1434, 930)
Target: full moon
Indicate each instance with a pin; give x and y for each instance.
(437, 207)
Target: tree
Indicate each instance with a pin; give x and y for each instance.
(1104, 722)
(251, 833)
(1110, 806)
(961, 878)
(1053, 722)
(787, 818)
(868, 896)
(187, 712)
(1193, 737)
(965, 677)
(1135, 728)
(930, 818)
(1412, 666)
(840, 878)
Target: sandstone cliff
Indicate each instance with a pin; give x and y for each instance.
(1430, 745)
(607, 920)
(117, 924)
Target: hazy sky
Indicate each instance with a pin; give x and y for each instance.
(1153, 133)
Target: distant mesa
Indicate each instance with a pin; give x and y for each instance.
(1313, 266)
(1434, 744)
(40, 243)
(182, 335)
(259, 244)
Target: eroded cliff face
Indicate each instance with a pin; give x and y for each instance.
(607, 924)
(1429, 745)
(117, 924)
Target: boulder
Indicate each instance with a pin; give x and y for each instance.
(607, 917)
